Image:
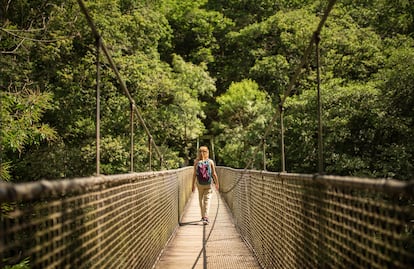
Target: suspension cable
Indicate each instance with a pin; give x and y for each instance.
(320, 127)
(120, 80)
(289, 90)
(98, 107)
(1, 137)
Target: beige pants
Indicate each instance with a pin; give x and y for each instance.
(204, 197)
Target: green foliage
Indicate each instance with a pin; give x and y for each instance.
(358, 140)
(245, 12)
(5, 171)
(192, 82)
(243, 110)
(268, 51)
(114, 155)
(205, 67)
(272, 73)
(396, 84)
(396, 78)
(274, 45)
(349, 51)
(387, 17)
(343, 119)
(21, 119)
(197, 31)
(24, 264)
(22, 126)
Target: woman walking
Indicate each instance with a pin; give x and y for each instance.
(203, 176)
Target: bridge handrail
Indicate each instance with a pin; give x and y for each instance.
(322, 221)
(387, 184)
(27, 191)
(94, 222)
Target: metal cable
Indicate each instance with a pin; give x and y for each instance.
(289, 90)
(98, 106)
(318, 221)
(320, 127)
(120, 80)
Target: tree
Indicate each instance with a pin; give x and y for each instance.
(386, 17)
(275, 44)
(349, 113)
(24, 101)
(176, 57)
(65, 67)
(348, 50)
(21, 114)
(244, 111)
(245, 12)
(197, 31)
(396, 84)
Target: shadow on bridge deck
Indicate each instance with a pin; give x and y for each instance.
(224, 247)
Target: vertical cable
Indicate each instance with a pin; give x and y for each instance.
(320, 135)
(212, 148)
(198, 144)
(118, 75)
(131, 129)
(282, 139)
(98, 106)
(1, 137)
(264, 154)
(287, 93)
(98, 127)
(150, 153)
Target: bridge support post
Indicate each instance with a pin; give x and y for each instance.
(150, 153)
(320, 130)
(131, 130)
(212, 148)
(98, 106)
(118, 75)
(264, 154)
(282, 139)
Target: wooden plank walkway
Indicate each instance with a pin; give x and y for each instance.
(223, 249)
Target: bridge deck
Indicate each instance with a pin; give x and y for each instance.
(224, 247)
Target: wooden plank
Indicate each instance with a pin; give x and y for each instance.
(224, 247)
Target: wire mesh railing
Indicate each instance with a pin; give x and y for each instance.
(119, 221)
(288, 220)
(305, 221)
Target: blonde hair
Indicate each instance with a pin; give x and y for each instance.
(203, 147)
(199, 155)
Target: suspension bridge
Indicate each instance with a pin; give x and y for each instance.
(259, 219)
